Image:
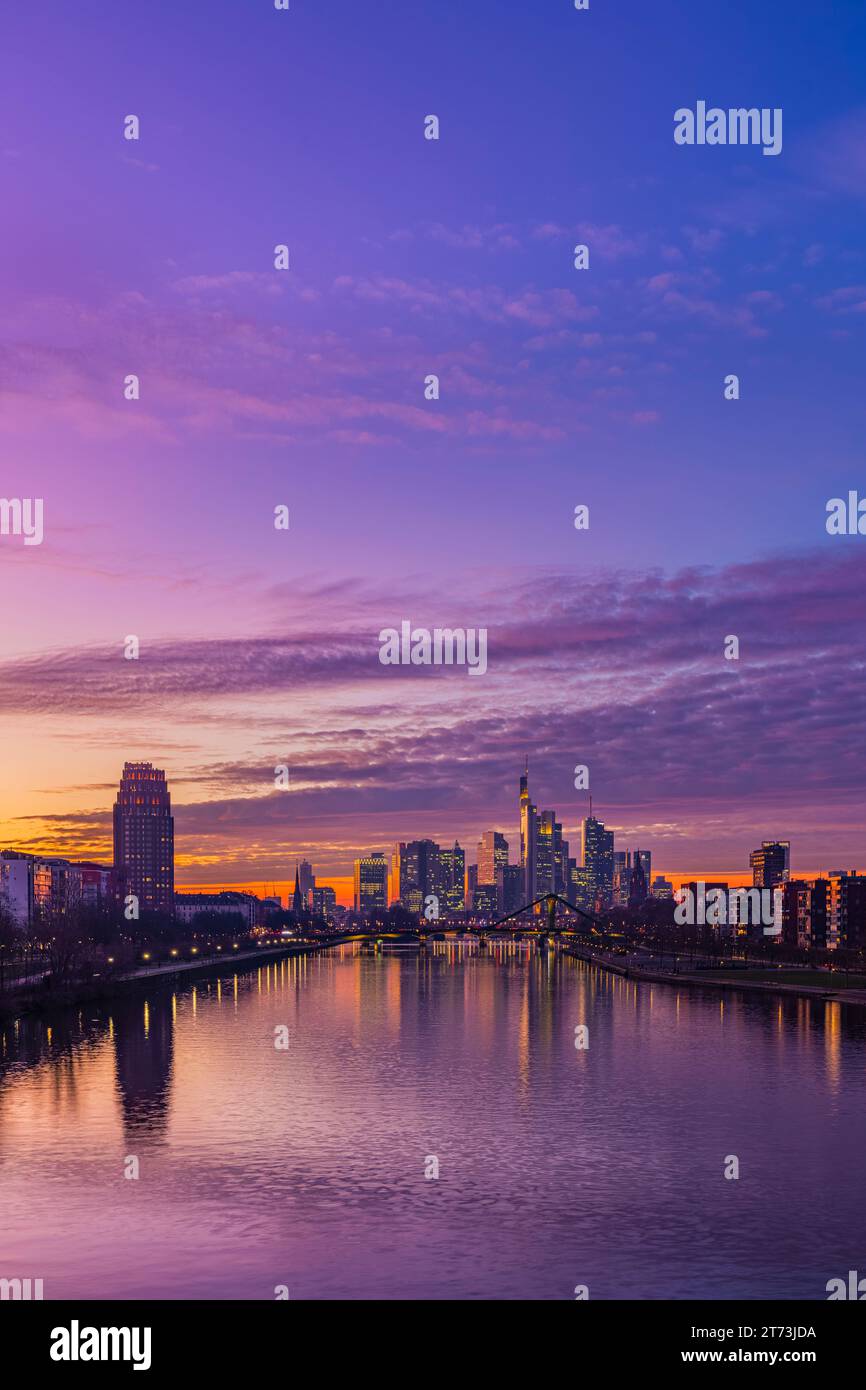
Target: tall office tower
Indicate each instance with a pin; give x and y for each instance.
(771, 864)
(621, 877)
(581, 889)
(528, 838)
(144, 837)
(646, 862)
(551, 855)
(492, 859)
(560, 860)
(662, 887)
(371, 882)
(509, 882)
(306, 879)
(637, 893)
(323, 901)
(544, 851)
(452, 864)
(394, 881)
(420, 873)
(597, 850)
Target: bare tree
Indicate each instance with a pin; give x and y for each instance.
(10, 939)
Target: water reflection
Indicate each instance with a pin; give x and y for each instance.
(557, 1165)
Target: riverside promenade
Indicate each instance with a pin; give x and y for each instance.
(30, 994)
(635, 969)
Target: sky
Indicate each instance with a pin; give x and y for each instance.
(305, 388)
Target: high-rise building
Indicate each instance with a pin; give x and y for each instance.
(621, 877)
(485, 900)
(581, 887)
(771, 864)
(144, 837)
(528, 838)
(637, 894)
(492, 861)
(597, 852)
(646, 862)
(543, 851)
(394, 880)
(306, 879)
(551, 855)
(420, 873)
(453, 869)
(662, 887)
(323, 902)
(512, 887)
(371, 882)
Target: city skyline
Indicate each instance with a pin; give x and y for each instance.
(144, 856)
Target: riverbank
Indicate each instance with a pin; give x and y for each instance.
(36, 999)
(707, 979)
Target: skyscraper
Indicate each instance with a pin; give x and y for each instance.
(371, 882)
(528, 838)
(646, 860)
(597, 850)
(420, 873)
(637, 893)
(621, 877)
(453, 868)
(144, 837)
(771, 864)
(306, 880)
(492, 855)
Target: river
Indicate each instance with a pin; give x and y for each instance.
(265, 1170)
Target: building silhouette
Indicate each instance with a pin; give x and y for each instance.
(771, 864)
(371, 882)
(144, 837)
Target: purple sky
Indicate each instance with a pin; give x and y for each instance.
(558, 387)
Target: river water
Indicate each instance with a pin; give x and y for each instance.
(303, 1168)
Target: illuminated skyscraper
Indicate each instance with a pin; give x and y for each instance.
(771, 864)
(597, 849)
(144, 837)
(528, 838)
(420, 873)
(453, 868)
(371, 882)
(492, 855)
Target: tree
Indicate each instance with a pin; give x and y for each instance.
(10, 938)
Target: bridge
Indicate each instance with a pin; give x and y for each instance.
(543, 924)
